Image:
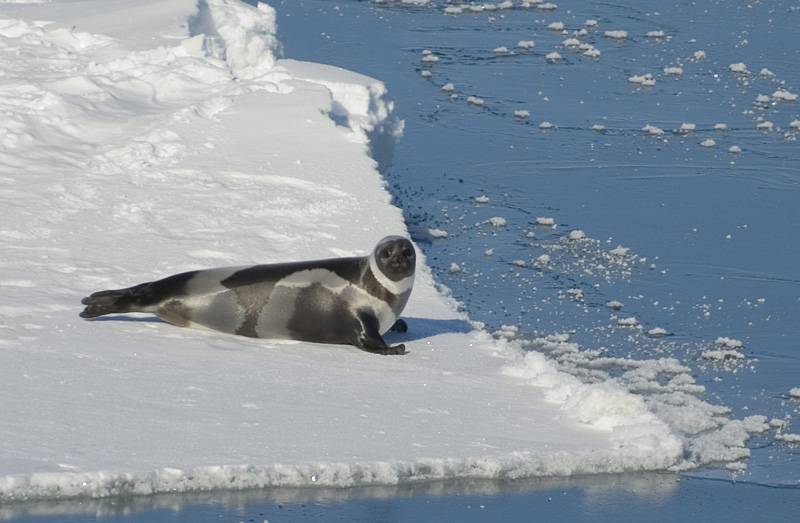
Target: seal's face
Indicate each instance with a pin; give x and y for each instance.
(395, 257)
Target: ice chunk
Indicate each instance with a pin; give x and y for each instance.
(616, 34)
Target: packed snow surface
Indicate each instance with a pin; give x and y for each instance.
(141, 142)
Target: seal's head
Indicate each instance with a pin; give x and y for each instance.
(395, 259)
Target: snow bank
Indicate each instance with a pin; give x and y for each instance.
(242, 36)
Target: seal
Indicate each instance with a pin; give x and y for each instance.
(351, 301)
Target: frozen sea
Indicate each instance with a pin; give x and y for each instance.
(714, 233)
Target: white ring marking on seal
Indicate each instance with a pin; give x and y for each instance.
(395, 287)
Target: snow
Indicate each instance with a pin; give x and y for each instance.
(482, 199)
(788, 438)
(556, 26)
(643, 79)
(141, 142)
(699, 55)
(526, 44)
(545, 221)
(673, 71)
(497, 221)
(546, 125)
(521, 113)
(474, 100)
(794, 392)
(448, 87)
(576, 234)
(708, 142)
(552, 57)
(616, 34)
(739, 68)
(734, 149)
(784, 95)
(657, 332)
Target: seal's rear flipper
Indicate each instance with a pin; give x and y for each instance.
(111, 302)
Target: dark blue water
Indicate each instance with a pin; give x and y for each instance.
(713, 236)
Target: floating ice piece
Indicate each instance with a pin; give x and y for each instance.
(482, 199)
(699, 55)
(720, 127)
(521, 113)
(497, 221)
(795, 392)
(454, 268)
(598, 127)
(548, 222)
(530, 3)
(722, 355)
(591, 22)
(616, 34)
(657, 332)
(453, 10)
(577, 294)
(448, 87)
(546, 125)
(628, 322)
(489, 252)
(500, 50)
(614, 305)
(766, 125)
(739, 68)
(577, 234)
(795, 124)
(673, 71)
(784, 95)
(592, 52)
(656, 34)
(556, 26)
(506, 331)
(734, 149)
(788, 438)
(736, 466)
(520, 263)
(474, 100)
(476, 8)
(437, 233)
(687, 127)
(571, 42)
(619, 250)
(430, 58)
(526, 44)
(547, 6)
(553, 57)
(765, 72)
(581, 32)
(643, 79)
(542, 261)
(530, 234)
(730, 343)
(708, 142)
(762, 99)
(652, 130)
(426, 74)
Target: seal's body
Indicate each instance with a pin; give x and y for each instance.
(350, 301)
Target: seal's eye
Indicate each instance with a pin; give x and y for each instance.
(385, 254)
(408, 253)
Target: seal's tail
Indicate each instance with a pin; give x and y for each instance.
(113, 301)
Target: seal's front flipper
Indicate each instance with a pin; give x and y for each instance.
(370, 340)
(399, 326)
